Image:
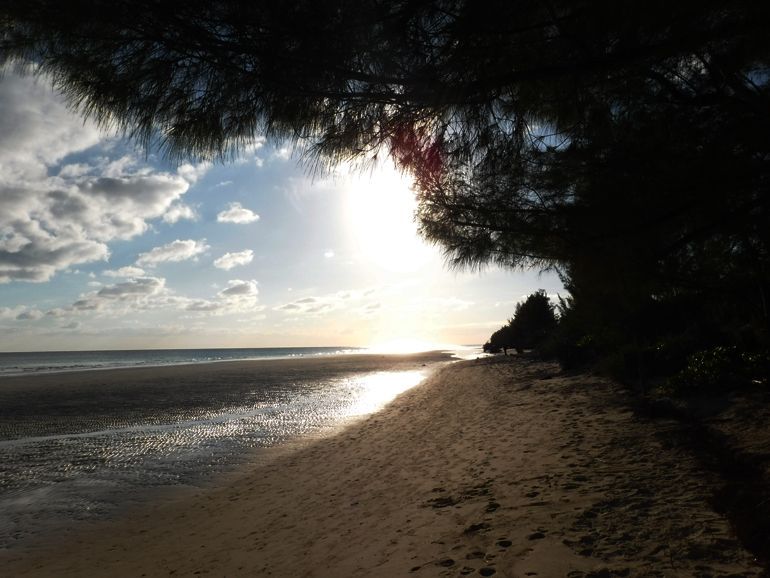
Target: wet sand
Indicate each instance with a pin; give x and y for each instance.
(497, 467)
(83, 401)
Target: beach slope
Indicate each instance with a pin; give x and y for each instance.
(497, 467)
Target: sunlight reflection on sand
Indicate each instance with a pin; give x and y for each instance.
(377, 389)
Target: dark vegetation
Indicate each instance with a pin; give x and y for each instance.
(532, 323)
(623, 144)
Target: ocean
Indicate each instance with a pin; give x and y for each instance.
(54, 361)
(77, 446)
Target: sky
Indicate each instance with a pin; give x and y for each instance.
(106, 245)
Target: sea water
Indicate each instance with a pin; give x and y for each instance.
(22, 363)
(83, 453)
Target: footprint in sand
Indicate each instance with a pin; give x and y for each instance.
(443, 502)
(474, 528)
(487, 571)
(475, 555)
(504, 543)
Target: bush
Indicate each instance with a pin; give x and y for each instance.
(719, 369)
(532, 323)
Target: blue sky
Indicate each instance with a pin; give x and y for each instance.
(104, 245)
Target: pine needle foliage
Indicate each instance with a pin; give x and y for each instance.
(622, 143)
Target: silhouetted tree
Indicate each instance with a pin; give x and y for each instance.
(532, 323)
(500, 340)
(624, 144)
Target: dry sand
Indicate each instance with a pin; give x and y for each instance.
(491, 467)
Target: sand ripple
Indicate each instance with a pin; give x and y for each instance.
(79, 449)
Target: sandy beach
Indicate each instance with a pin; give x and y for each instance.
(498, 466)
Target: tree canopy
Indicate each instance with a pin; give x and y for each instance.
(532, 323)
(623, 143)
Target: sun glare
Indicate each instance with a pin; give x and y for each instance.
(377, 389)
(381, 215)
(406, 345)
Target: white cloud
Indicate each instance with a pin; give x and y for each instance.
(11, 312)
(86, 304)
(203, 305)
(53, 219)
(171, 252)
(128, 271)
(132, 289)
(179, 211)
(30, 315)
(235, 213)
(147, 293)
(354, 301)
(117, 167)
(123, 204)
(57, 312)
(248, 152)
(254, 145)
(283, 153)
(238, 297)
(125, 297)
(75, 170)
(230, 260)
(36, 128)
(191, 173)
(329, 254)
(237, 289)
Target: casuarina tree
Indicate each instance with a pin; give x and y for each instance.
(624, 144)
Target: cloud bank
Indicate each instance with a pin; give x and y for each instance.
(56, 214)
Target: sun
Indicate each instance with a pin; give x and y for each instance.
(380, 209)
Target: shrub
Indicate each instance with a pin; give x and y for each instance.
(533, 322)
(720, 368)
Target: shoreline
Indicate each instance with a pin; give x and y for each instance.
(311, 356)
(491, 467)
(342, 362)
(84, 446)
